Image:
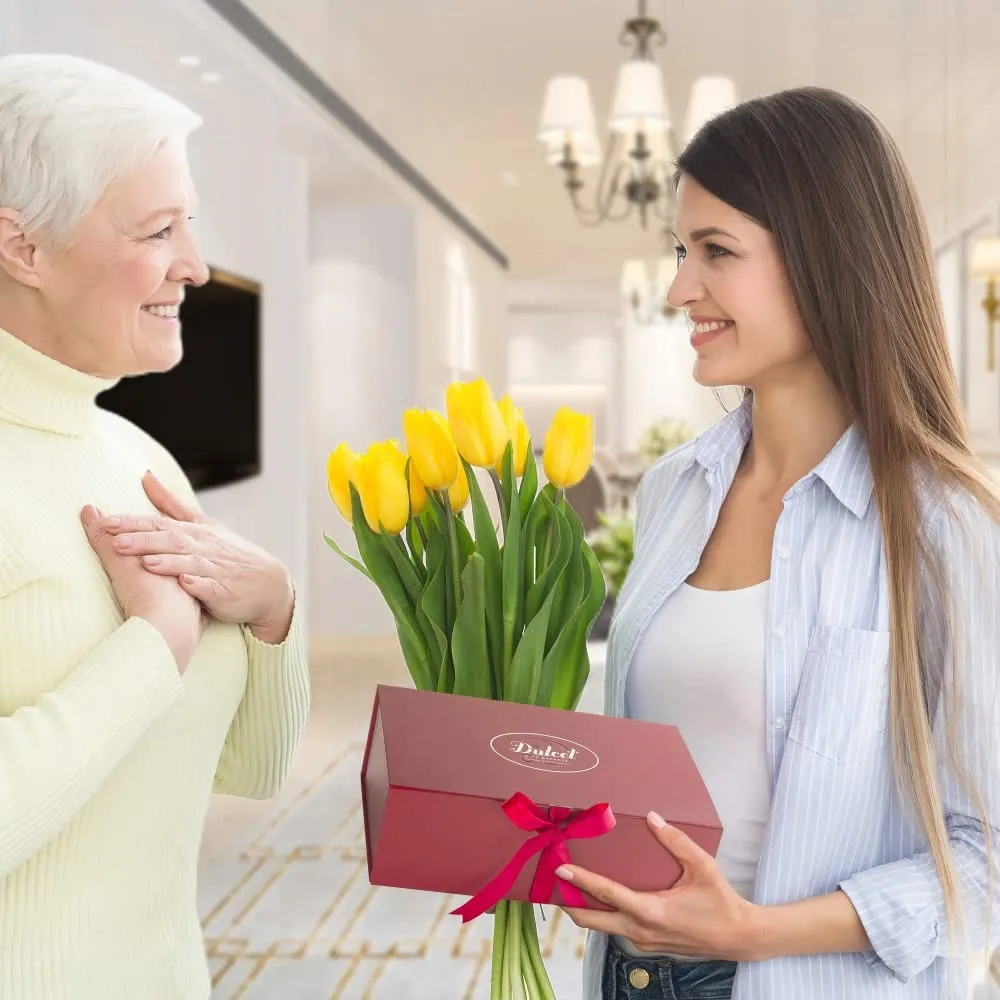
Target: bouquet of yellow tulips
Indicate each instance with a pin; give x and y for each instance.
(490, 611)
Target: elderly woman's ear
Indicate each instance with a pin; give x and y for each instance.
(19, 251)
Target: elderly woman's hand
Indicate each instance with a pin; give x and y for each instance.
(177, 615)
(234, 579)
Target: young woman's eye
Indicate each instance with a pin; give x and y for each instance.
(681, 252)
(714, 250)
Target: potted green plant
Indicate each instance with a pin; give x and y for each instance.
(613, 545)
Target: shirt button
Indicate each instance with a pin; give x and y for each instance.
(782, 551)
(779, 722)
(777, 632)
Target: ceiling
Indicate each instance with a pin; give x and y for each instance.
(118, 32)
(456, 86)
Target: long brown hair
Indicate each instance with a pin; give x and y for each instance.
(819, 172)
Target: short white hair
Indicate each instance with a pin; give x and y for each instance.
(69, 127)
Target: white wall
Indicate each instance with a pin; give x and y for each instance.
(658, 361)
(566, 359)
(362, 363)
(625, 374)
(382, 290)
(253, 221)
(441, 252)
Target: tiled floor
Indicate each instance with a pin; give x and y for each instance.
(283, 892)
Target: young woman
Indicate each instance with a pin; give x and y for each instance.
(815, 596)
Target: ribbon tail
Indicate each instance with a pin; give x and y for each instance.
(545, 881)
(497, 888)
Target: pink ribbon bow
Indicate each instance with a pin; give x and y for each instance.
(554, 827)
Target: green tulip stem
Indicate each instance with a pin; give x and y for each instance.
(498, 486)
(456, 575)
(499, 942)
(512, 952)
(533, 953)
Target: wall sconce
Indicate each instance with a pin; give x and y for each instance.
(644, 289)
(985, 267)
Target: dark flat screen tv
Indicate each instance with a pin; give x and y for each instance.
(206, 410)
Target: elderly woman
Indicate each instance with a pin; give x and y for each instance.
(148, 656)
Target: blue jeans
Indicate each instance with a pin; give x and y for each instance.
(653, 978)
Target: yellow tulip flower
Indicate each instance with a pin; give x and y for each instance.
(418, 492)
(517, 431)
(384, 493)
(432, 452)
(569, 448)
(341, 471)
(458, 492)
(477, 426)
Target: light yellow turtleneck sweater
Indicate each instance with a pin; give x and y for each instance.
(108, 756)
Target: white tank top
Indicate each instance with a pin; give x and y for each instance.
(700, 667)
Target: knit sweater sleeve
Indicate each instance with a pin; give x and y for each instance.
(268, 725)
(56, 753)
(269, 721)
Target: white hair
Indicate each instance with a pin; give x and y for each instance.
(69, 127)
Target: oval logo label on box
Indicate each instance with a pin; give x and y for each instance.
(544, 753)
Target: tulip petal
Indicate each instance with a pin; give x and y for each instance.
(341, 470)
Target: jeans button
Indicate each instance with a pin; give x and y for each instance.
(639, 978)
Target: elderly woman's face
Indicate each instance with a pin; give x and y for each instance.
(116, 291)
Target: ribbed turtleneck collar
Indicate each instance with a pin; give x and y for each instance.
(38, 391)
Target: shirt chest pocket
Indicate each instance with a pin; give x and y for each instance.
(842, 708)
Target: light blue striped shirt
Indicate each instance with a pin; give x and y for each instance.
(837, 819)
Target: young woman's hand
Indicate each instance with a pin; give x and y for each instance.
(701, 915)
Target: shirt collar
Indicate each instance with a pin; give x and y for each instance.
(846, 470)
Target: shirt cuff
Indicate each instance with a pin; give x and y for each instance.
(897, 906)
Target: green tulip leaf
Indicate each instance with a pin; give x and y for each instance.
(512, 593)
(567, 664)
(529, 484)
(470, 655)
(508, 481)
(529, 533)
(526, 666)
(488, 546)
(408, 574)
(384, 574)
(570, 586)
(559, 529)
(343, 555)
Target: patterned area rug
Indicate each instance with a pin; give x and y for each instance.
(291, 914)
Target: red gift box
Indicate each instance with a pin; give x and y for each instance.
(439, 770)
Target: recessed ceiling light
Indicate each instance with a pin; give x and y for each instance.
(211, 77)
(510, 178)
(192, 62)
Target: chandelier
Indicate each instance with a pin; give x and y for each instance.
(643, 143)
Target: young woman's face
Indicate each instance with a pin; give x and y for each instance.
(746, 329)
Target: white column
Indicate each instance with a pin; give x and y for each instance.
(363, 350)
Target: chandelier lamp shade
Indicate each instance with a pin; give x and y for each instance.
(636, 172)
